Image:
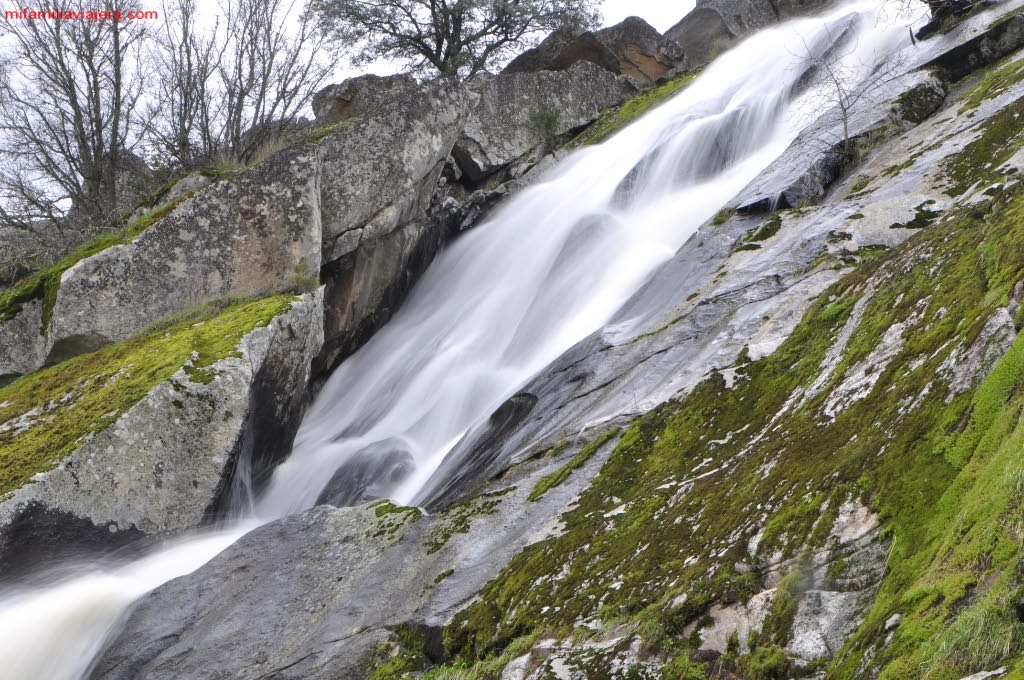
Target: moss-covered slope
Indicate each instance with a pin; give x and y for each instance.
(900, 390)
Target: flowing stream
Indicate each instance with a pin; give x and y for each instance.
(493, 310)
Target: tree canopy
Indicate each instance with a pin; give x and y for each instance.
(455, 37)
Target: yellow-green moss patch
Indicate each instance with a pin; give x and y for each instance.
(46, 415)
(616, 118)
(995, 82)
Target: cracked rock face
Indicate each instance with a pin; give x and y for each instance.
(380, 172)
(164, 463)
(517, 111)
(248, 236)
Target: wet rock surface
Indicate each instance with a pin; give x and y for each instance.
(335, 579)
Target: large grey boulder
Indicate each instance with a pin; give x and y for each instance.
(632, 47)
(714, 25)
(356, 199)
(250, 236)
(519, 111)
(378, 179)
(703, 34)
(742, 16)
(22, 344)
(165, 463)
(358, 96)
(380, 172)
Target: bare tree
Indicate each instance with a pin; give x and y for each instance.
(68, 104)
(234, 86)
(847, 86)
(271, 73)
(184, 62)
(455, 37)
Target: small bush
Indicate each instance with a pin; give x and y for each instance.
(544, 122)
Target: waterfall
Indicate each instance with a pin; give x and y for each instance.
(506, 299)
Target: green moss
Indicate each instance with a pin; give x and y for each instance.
(693, 481)
(1002, 135)
(723, 216)
(57, 408)
(861, 184)
(763, 232)
(487, 669)
(682, 668)
(614, 119)
(778, 624)
(401, 656)
(766, 663)
(995, 82)
(561, 474)
(924, 216)
(459, 518)
(893, 170)
(392, 518)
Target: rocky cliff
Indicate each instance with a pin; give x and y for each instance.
(823, 478)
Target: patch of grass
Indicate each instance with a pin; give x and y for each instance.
(723, 216)
(616, 118)
(323, 131)
(1002, 136)
(548, 482)
(399, 657)
(46, 415)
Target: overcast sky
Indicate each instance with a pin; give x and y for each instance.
(662, 14)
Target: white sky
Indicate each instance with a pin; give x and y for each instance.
(662, 14)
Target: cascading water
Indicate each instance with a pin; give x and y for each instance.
(492, 311)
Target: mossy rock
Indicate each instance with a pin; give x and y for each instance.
(48, 414)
